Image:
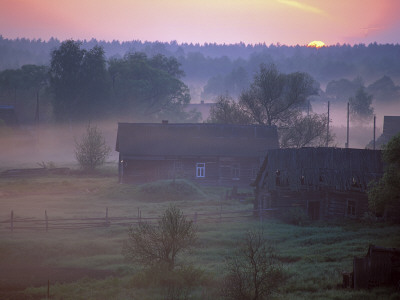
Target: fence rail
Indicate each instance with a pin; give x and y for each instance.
(15, 223)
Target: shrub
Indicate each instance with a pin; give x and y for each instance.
(91, 150)
(150, 245)
(254, 271)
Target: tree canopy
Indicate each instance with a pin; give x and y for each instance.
(274, 98)
(386, 191)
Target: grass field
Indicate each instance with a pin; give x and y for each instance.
(87, 263)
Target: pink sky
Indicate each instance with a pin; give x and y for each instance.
(287, 22)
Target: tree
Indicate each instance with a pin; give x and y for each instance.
(79, 81)
(309, 130)
(149, 88)
(340, 90)
(91, 151)
(386, 191)
(227, 111)
(160, 245)
(253, 272)
(65, 70)
(275, 98)
(24, 87)
(360, 106)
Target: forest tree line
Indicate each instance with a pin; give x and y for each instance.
(213, 69)
(82, 85)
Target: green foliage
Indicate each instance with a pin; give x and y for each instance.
(91, 151)
(253, 272)
(274, 98)
(149, 88)
(170, 190)
(360, 106)
(295, 216)
(150, 245)
(227, 111)
(24, 87)
(176, 284)
(341, 90)
(79, 81)
(309, 130)
(387, 190)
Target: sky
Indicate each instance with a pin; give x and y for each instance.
(286, 22)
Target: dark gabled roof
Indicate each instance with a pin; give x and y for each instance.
(198, 139)
(334, 168)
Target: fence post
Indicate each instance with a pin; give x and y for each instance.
(47, 220)
(12, 221)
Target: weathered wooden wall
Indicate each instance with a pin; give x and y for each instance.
(218, 170)
(326, 182)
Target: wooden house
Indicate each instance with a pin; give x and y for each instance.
(219, 154)
(325, 182)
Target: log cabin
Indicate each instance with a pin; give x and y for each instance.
(213, 154)
(324, 182)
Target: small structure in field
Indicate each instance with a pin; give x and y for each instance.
(325, 182)
(380, 267)
(219, 154)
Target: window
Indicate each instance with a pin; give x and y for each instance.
(200, 170)
(235, 171)
(351, 208)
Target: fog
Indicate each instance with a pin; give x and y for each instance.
(30, 146)
(360, 134)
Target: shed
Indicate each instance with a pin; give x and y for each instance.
(208, 153)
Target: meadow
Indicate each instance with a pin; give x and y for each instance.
(86, 263)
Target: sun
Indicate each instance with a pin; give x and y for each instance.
(316, 44)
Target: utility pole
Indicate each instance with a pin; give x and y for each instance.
(374, 129)
(348, 123)
(327, 128)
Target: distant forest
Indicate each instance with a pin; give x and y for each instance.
(213, 69)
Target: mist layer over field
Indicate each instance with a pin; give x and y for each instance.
(30, 146)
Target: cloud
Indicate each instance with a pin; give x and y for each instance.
(303, 6)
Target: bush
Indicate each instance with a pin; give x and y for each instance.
(254, 272)
(91, 151)
(159, 245)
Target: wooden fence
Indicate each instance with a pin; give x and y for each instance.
(14, 223)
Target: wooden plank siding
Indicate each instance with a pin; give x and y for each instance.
(325, 182)
(224, 154)
(218, 170)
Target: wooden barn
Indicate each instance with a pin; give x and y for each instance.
(219, 154)
(325, 182)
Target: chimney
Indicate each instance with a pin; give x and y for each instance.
(164, 121)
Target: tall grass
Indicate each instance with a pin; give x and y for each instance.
(313, 255)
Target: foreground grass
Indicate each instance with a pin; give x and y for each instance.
(313, 256)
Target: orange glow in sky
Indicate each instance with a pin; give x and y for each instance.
(287, 22)
(316, 44)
